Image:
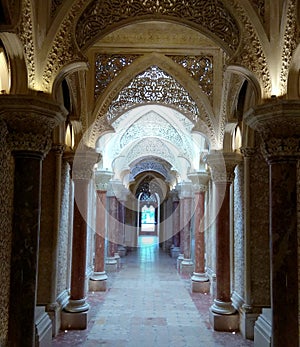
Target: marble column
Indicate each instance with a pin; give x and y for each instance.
(111, 263)
(278, 123)
(176, 225)
(186, 200)
(76, 313)
(223, 315)
(98, 279)
(199, 280)
(30, 121)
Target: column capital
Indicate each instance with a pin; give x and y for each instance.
(248, 152)
(102, 178)
(222, 165)
(84, 162)
(30, 120)
(185, 190)
(117, 189)
(278, 124)
(200, 180)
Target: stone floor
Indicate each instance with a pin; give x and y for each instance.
(148, 304)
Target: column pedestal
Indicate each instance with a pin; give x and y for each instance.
(111, 264)
(200, 283)
(263, 329)
(43, 327)
(175, 251)
(247, 321)
(221, 322)
(179, 261)
(98, 282)
(186, 267)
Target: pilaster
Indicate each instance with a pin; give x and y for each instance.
(278, 123)
(223, 315)
(30, 120)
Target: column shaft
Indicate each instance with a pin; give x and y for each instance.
(79, 241)
(223, 243)
(24, 254)
(199, 233)
(100, 231)
(284, 248)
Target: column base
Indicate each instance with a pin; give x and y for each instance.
(247, 321)
(263, 329)
(175, 251)
(186, 267)
(43, 327)
(118, 259)
(75, 321)
(54, 312)
(97, 282)
(200, 283)
(179, 261)
(221, 322)
(111, 264)
(122, 251)
(223, 308)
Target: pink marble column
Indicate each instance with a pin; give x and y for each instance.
(75, 315)
(222, 312)
(112, 232)
(186, 200)
(278, 123)
(176, 225)
(99, 277)
(30, 121)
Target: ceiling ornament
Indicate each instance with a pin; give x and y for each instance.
(153, 86)
(209, 16)
(201, 70)
(107, 67)
(148, 166)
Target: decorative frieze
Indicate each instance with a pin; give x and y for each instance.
(83, 164)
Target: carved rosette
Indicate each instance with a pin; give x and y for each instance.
(30, 121)
(278, 124)
(222, 166)
(83, 164)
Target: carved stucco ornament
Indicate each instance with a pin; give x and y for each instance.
(211, 17)
(30, 121)
(278, 124)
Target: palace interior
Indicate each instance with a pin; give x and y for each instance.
(124, 121)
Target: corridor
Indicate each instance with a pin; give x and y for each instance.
(149, 304)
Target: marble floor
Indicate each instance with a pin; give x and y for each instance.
(148, 304)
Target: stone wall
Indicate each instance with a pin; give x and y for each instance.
(6, 201)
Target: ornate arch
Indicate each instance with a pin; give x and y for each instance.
(139, 65)
(210, 17)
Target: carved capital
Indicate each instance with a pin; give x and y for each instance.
(83, 164)
(185, 190)
(102, 179)
(248, 152)
(278, 124)
(30, 120)
(222, 166)
(58, 149)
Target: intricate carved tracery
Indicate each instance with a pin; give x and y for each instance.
(107, 67)
(148, 166)
(211, 16)
(200, 68)
(153, 86)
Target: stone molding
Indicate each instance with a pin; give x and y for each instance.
(278, 124)
(222, 166)
(30, 121)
